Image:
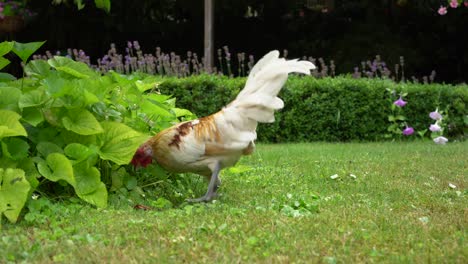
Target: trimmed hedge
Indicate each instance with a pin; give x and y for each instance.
(329, 109)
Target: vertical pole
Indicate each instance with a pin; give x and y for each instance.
(209, 40)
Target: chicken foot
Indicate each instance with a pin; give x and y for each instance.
(212, 187)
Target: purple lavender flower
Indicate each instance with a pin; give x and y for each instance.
(408, 131)
(136, 45)
(435, 128)
(435, 115)
(400, 102)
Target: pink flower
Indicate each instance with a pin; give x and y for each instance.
(435, 115)
(435, 128)
(442, 10)
(465, 3)
(400, 102)
(454, 3)
(408, 131)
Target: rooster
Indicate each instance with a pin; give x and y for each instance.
(209, 144)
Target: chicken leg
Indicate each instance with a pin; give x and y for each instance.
(212, 186)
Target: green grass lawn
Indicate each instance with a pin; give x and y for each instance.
(280, 206)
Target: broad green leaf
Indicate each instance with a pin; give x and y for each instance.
(119, 142)
(74, 68)
(183, 112)
(78, 151)
(99, 87)
(57, 167)
(88, 179)
(53, 115)
(79, 4)
(81, 90)
(33, 98)
(56, 85)
(145, 86)
(31, 172)
(33, 116)
(83, 123)
(10, 125)
(157, 97)
(46, 148)
(121, 79)
(9, 97)
(14, 190)
(103, 4)
(6, 77)
(6, 47)
(15, 148)
(69, 137)
(37, 68)
(131, 182)
(25, 50)
(4, 62)
(45, 133)
(400, 117)
(98, 197)
(155, 109)
(6, 162)
(71, 92)
(118, 178)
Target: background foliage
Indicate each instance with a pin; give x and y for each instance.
(353, 31)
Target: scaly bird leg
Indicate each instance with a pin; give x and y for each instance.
(212, 186)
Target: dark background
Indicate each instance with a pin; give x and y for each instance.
(355, 30)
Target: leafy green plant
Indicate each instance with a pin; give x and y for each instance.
(102, 4)
(22, 50)
(66, 129)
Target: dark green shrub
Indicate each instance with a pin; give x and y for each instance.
(329, 109)
(206, 94)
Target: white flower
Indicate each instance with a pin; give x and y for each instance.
(453, 186)
(334, 176)
(435, 128)
(435, 115)
(352, 176)
(440, 140)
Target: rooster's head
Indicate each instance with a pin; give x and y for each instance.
(143, 156)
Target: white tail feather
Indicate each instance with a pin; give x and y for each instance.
(258, 100)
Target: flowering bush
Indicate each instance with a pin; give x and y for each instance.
(102, 4)
(378, 68)
(443, 10)
(398, 124)
(437, 128)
